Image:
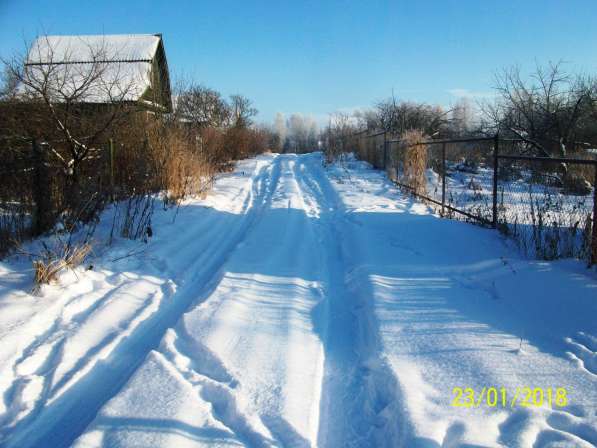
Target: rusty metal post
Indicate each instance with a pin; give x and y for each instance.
(496, 143)
(594, 236)
(443, 177)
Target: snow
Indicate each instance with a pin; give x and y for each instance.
(83, 48)
(531, 210)
(298, 305)
(451, 304)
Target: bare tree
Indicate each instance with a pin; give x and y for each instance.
(241, 111)
(71, 99)
(398, 117)
(338, 135)
(201, 106)
(367, 119)
(8, 84)
(550, 110)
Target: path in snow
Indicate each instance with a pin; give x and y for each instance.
(254, 351)
(301, 306)
(103, 341)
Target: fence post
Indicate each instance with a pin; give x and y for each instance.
(385, 151)
(111, 143)
(496, 143)
(41, 191)
(443, 177)
(594, 236)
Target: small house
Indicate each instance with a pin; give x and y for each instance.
(101, 69)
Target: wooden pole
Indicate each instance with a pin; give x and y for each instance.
(496, 143)
(443, 177)
(594, 227)
(41, 190)
(111, 143)
(385, 151)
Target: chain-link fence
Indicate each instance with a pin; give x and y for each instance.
(547, 205)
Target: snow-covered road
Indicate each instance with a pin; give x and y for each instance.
(300, 305)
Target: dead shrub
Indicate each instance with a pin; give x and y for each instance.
(181, 165)
(242, 142)
(236, 143)
(136, 220)
(212, 145)
(52, 262)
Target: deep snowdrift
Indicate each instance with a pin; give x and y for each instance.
(300, 305)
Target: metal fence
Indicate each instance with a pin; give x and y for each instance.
(548, 206)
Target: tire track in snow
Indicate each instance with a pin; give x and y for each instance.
(583, 352)
(60, 422)
(249, 394)
(39, 360)
(212, 382)
(361, 400)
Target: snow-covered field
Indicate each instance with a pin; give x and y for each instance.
(531, 210)
(472, 190)
(300, 305)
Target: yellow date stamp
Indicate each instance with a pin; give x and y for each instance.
(467, 397)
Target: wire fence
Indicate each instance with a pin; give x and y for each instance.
(548, 206)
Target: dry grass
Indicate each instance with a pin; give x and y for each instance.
(181, 165)
(414, 161)
(52, 263)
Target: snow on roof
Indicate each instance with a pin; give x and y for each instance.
(98, 69)
(72, 49)
(91, 83)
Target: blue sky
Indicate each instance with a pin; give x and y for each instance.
(316, 57)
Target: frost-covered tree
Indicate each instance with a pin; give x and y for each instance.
(462, 117)
(301, 133)
(279, 128)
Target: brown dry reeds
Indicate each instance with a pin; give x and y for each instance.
(181, 164)
(414, 161)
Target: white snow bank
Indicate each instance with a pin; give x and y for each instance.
(455, 306)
